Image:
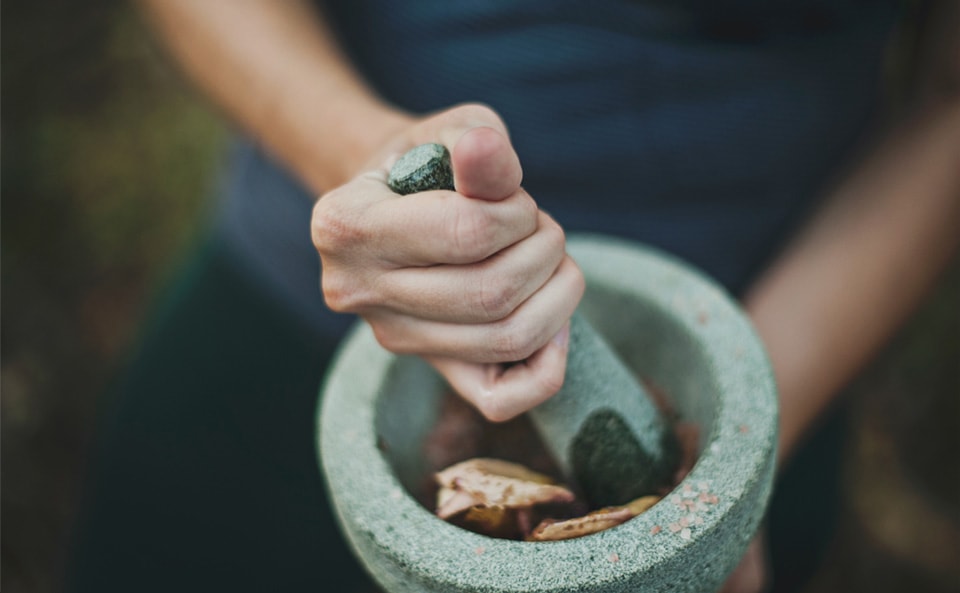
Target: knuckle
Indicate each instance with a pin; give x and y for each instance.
(339, 294)
(551, 232)
(497, 296)
(331, 227)
(555, 234)
(471, 235)
(388, 339)
(514, 341)
(347, 291)
(578, 282)
(551, 382)
(334, 298)
(529, 210)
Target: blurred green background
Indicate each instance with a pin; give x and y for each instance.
(109, 162)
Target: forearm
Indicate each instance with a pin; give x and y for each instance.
(858, 269)
(275, 68)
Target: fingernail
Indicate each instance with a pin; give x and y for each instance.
(562, 339)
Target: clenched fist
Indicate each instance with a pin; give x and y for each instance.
(476, 280)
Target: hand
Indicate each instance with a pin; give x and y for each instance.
(752, 575)
(469, 279)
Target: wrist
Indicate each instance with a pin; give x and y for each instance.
(341, 140)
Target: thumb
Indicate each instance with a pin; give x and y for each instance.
(485, 165)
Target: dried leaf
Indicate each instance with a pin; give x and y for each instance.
(494, 483)
(496, 498)
(485, 465)
(642, 504)
(492, 521)
(552, 530)
(451, 502)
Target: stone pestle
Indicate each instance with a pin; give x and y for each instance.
(605, 432)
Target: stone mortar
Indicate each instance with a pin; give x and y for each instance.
(679, 332)
(615, 445)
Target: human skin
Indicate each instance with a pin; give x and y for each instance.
(837, 292)
(468, 279)
(854, 274)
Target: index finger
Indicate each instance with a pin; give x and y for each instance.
(435, 227)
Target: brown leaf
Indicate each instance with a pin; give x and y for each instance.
(492, 521)
(494, 483)
(485, 465)
(451, 502)
(552, 530)
(641, 504)
(496, 498)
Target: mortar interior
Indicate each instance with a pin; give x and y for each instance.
(674, 328)
(653, 341)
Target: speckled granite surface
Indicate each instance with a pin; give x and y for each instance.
(677, 331)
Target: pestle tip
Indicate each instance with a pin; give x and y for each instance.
(611, 466)
(423, 168)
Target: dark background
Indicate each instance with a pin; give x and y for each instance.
(109, 160)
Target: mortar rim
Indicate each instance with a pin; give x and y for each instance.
(746, 452)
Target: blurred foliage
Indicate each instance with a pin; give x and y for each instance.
(918, 386)
(902, 531)
(106, 169)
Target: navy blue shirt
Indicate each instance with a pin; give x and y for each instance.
(706, 129)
